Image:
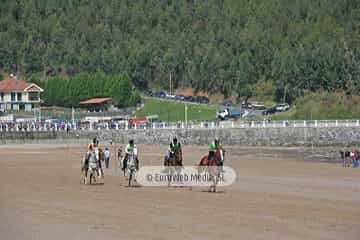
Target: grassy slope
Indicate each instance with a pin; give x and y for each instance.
(323, 106)
(175, 111)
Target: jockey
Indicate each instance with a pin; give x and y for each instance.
(131, 148)
(212, 150)
(91, 157)
(174, 147)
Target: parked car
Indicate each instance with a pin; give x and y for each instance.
(180, 97)
(246, 106)
(282, 107)
(202, 99)
(227, 103)
(170, 96)
(258, 106)
(189, 98)
(148, 93)
(269, 111)
(159, 94)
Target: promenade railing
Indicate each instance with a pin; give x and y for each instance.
(44, 126)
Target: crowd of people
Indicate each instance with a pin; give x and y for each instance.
(349, 158)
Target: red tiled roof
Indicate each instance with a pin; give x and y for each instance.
(96, 101)
(13, 84)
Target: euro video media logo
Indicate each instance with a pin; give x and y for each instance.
(191, 176)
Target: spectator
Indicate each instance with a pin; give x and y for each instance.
(107, 156)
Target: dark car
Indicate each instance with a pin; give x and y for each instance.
(156, 94)
(269, 111)
(246, 106)
(159, 94)
(202, 99)
(205, 100)
(148, 93)
(227, 103)
(188, 98)
(162, 94)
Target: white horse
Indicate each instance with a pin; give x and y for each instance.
(131, 166)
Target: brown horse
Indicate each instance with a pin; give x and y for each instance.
(213, 165)
(173, 164)
(174, 160)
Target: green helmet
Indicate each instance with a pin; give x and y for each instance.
(212, 146)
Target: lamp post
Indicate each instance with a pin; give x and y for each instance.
(186, 115)
(170, 83)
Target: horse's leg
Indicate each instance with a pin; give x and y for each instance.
(135, 176)
(101, 172)
(85, 175)
(90, 177)
(169, 176)
(216, 179)
(130, 176)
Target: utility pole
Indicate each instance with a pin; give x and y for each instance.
(73, 116)
(170, 83)
(284, 98)
(186, 115)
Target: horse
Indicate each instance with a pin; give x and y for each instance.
(173, 163)
(91, 171)
(213, 165)
(131, 166)
(84, 166)
(119, 157)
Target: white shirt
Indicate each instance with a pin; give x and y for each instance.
(107, 154)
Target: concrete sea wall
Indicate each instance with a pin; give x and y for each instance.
(280, 136)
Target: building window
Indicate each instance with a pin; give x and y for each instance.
(13, 97)
(19, 97)
(2, 96)
(33, 96)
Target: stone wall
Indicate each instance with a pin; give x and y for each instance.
(283, 136)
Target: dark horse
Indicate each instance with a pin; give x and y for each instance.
(213, 165)
(173, 164)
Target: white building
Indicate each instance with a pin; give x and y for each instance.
(18, 95)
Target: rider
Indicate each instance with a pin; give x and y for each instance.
(131, 148)
(212, 150)
(174, 147)
(214, 146)
(90, 158)
(97, 151)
